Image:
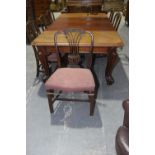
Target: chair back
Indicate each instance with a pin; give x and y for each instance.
(116, 20)
(126, 113)
(32, 30)
(73, 37)
(111, 14)
(46, 19)
(50, 14)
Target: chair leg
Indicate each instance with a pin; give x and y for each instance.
(37, 74)
(50, 101)
(37, 61)
(92, 103)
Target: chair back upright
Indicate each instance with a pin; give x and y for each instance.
(116, 20)
(73, 37)
(46, 19)
(111, 14)
(32, 30)
(50, 14)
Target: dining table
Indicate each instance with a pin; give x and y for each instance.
(106, 39)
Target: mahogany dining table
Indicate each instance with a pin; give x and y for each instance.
(106, 39)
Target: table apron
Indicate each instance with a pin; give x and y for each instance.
(96, 50)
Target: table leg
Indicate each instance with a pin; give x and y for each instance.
(111, 60)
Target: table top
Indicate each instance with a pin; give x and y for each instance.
(101, 39)
(99, 25)
(83, 21)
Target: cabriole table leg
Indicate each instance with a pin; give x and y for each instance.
(111, 61)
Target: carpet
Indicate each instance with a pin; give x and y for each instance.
(70, 130)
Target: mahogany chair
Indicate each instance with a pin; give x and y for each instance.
(32, 31)
(116, 20)
(73, 78)
(50, 15)
(122, 136)
(46, 19)
(111, 14)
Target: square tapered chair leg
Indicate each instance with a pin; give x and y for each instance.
(92, 103)
(50, 101)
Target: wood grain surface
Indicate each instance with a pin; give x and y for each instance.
(101, 39)
(100, 26)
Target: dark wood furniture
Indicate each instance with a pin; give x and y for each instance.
(116, 20)
(84, 5)
(122, 136)
(111, 14)
(46, 19)
(73, 78)
(32, 32)
(40, 7)
(29, 10)
(29, 14)
(127, 14)
(106, 39)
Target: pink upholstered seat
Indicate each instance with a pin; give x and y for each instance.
(71, 80)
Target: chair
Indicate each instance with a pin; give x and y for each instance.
(122, 136)
(111, 14)
(50, 15)
(46, 19)
(127, 14)
(116, 20)
(32, 31)
(72, 79)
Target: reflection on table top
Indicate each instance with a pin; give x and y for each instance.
(101, 39)
(99, 25)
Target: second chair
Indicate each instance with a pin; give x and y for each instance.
(111, 14)
(72, 79)
(32, 31)
(46, 19)
(116, 20)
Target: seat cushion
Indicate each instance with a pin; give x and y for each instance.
(71, 80)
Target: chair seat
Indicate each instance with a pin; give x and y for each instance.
(71, 80)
